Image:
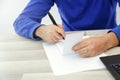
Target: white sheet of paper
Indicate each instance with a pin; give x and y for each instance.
(70, 63)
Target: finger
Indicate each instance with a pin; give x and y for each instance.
(61, 31)
(83, 52)
(60, 26)
(54, 39)
(58, 36)
(87, 52)
(51, 41)
(79, 45)
(86, 55)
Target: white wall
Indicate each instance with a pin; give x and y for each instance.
(10, 9)
(118, 15)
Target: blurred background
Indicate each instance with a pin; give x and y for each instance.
(10, 9)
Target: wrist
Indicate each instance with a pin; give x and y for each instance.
(111, 40)
(38, 31)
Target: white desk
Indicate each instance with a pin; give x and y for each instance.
(24, 59)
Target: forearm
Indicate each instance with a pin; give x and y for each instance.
(30, 18)
(25, 26)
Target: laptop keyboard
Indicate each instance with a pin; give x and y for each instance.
(116, 67)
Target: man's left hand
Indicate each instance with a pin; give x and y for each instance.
(93, 46)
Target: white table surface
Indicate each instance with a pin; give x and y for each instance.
(25, 59)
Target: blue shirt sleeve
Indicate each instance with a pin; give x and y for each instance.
(118, 2)
(30, 18)
(116, 30)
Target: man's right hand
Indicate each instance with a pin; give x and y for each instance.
(50, 33)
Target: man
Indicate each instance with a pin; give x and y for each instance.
(75, 15)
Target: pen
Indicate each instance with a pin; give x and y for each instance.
(53, 21)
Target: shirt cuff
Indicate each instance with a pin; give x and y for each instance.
(116, 30)
(32, 32)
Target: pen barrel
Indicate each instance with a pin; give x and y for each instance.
(52, 19)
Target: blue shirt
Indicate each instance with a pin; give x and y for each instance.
(75, 15)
